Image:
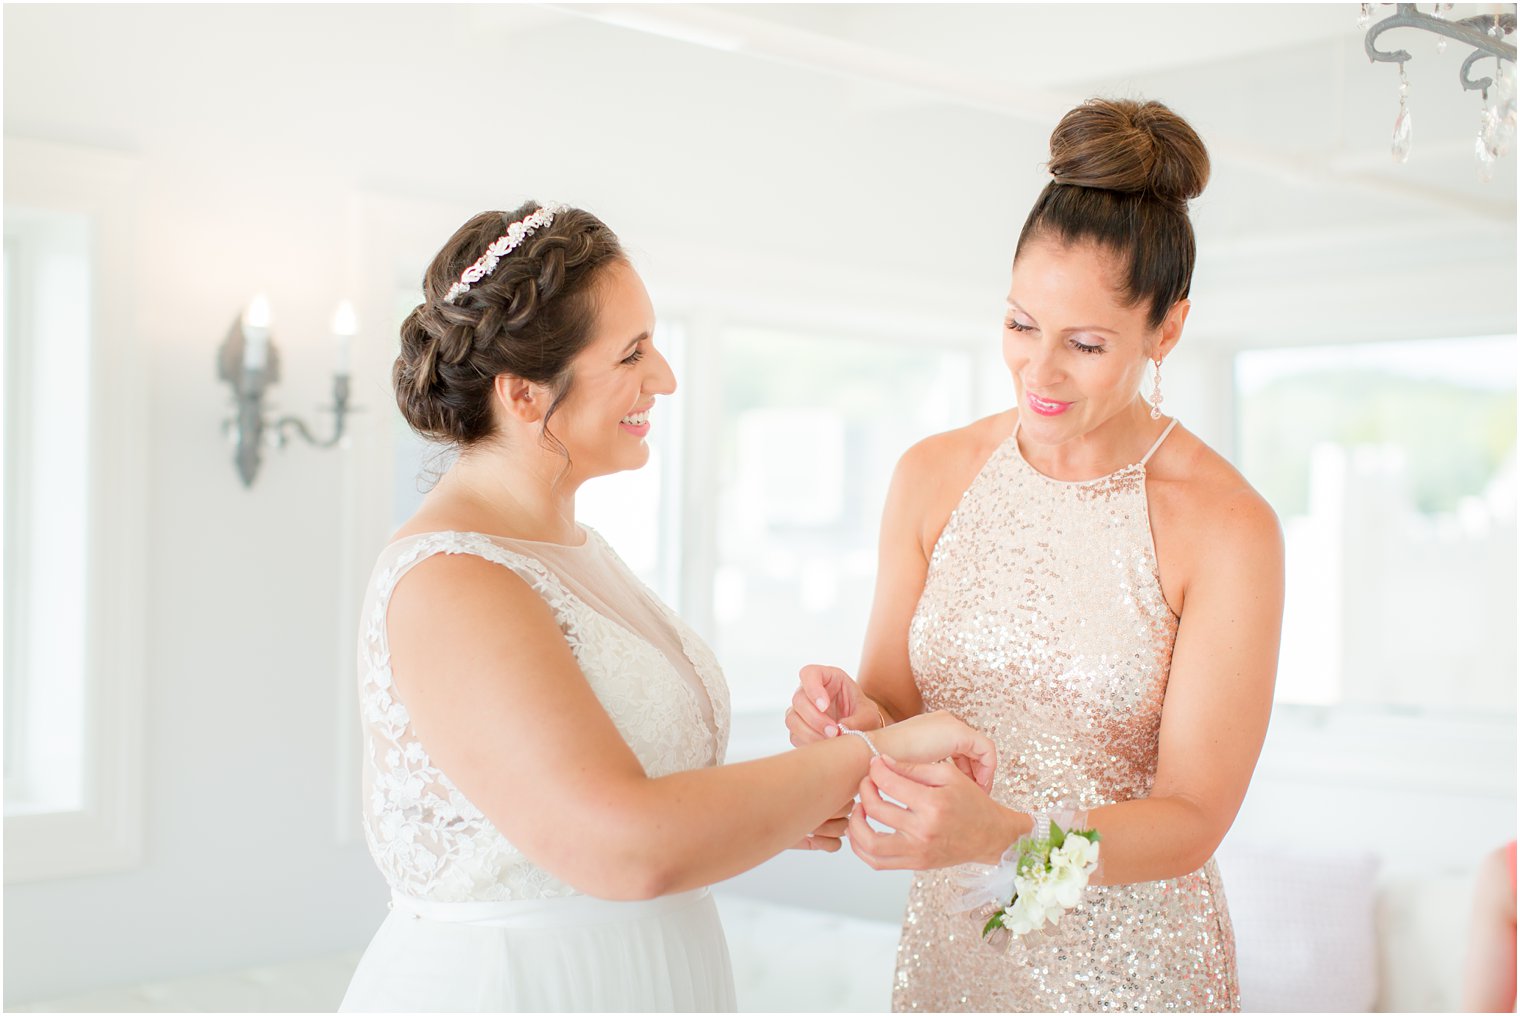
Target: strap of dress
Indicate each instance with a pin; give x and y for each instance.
(1160, 439)
(427, 545)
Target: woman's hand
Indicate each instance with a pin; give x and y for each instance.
(944, 819)
(930, 737)
(828, 837)
(825, 698)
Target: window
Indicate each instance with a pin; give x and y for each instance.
(47, 455)
(811, 428)
(1392, 467)
(74, 440)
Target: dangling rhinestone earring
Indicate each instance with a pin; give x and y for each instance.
(1156, 390)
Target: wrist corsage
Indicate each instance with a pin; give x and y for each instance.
(1040, 877)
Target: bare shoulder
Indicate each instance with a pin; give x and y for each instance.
(943, 457)
(1193, 486)
(934, 473)
(441, 515)
(1208, 522)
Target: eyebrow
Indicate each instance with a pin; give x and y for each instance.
(1068, 331)
(636, 340)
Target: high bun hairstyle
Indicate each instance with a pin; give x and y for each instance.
(1123, 173)
(529, 318)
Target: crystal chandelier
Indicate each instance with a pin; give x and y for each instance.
(1486, 34)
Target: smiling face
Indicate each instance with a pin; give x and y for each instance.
(1077, 352)
(604, 419)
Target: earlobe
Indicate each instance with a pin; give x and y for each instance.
(518, 398)
(1171, 328)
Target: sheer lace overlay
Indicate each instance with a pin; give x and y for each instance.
(428, 839)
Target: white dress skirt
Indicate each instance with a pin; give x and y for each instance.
(567, 954)
(475, 924)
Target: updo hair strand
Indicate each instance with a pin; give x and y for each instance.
(1123, 172)
(529, 318)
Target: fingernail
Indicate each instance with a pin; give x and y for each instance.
(889, 758)
(821, 702)
(830, 731)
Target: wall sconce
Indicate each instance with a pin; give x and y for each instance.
(250, 363)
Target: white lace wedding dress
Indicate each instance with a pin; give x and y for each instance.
(475, 925)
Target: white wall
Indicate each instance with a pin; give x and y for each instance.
(298, 151)
(240, 858)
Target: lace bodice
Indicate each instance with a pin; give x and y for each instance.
(429, 841)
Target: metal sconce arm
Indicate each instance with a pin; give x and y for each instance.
(248, 425)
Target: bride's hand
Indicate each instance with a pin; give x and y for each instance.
(944, 819)
(930, 737)
(825, 698)
(829, 836)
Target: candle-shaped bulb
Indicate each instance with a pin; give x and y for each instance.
(345, 325)
(256, 314)
(256, 333)
(345, 321)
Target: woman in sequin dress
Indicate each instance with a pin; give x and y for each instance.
(1093, 587)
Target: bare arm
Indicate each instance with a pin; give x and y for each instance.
(495, 693)
(1218, 702)
(886, 676)
(1488, 980)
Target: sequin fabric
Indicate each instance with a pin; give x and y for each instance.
(1042, 623)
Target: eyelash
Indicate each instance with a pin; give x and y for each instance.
(1078, 346)
(634, 357)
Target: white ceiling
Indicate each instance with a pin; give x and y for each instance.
(1287, 86)
(904, 140)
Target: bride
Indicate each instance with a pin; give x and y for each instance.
(544, 787)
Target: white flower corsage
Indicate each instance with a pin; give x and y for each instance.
(1038, 880)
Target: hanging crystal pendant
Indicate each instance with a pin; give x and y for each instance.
(1439, 13)
(1403, 126)
(1364, 16)
(1402, 130)
(1487, 147)
(1485, 165)
(1496, 124)
(1503, 90)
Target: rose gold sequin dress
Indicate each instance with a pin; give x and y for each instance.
(1042, 624)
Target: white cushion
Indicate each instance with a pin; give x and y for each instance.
(1422, 934)
(1305, 928)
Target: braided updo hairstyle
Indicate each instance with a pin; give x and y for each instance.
(1123, 173)
(528, 318)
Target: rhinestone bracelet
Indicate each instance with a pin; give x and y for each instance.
(862, 735)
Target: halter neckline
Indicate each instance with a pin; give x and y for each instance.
(1014, 439)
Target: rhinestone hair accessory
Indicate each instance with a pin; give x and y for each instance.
(503, 245)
